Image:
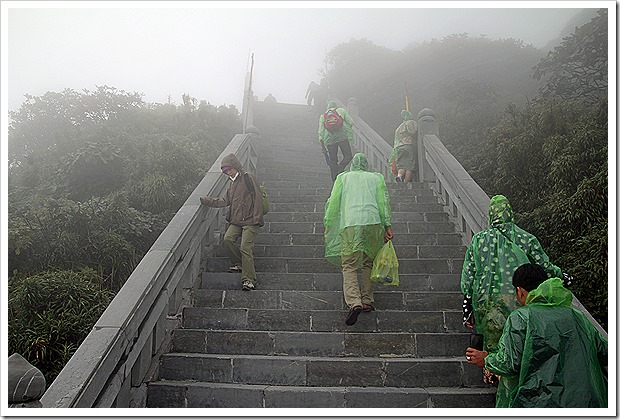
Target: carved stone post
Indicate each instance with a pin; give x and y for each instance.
(353, 111)
(352, 107)
(426, 125)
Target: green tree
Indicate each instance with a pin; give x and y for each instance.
(577, 68)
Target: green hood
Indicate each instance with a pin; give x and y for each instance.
(500, 211)
(332, 105)
(551, 292)
(359, 162)
(406, 115)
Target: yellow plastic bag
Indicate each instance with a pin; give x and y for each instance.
(385, 266)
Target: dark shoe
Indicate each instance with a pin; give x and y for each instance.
(247, 285)
(367, 307)
(352, 315)
(234, 268)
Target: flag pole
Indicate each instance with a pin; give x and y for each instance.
(406, 98)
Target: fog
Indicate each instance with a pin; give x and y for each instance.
(164, 50)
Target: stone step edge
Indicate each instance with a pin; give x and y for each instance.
(339, 311)
(394, 333)
(380, 390)
(375, 291)
(436, 359)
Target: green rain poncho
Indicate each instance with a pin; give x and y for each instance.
(550, 354)
(404, 140)
(357, 212)
(490, 261)
(346, 133)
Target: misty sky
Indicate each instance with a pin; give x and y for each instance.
(203, 48)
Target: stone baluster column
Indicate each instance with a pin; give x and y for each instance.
(352, 107)
(354, 112)
(426, 125)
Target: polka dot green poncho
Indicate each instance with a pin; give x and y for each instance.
(490, 261)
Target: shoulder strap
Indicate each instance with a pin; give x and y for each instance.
(514, 245)
(246, 177)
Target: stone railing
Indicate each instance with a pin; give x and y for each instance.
(121, 353)
(463, 199)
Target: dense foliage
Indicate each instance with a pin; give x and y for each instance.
(50, 313)
(94, 177)
(536, 133)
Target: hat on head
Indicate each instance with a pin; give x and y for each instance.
(232, 161)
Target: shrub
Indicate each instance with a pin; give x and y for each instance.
(51, 313)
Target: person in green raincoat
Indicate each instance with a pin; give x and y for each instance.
(357, 220)
(341, 138)
(403, 150)
(550, 353)
(490, 261)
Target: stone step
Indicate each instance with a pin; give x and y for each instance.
(321, 265)
(410, 200)
(406, 372)
(336, 344)
(318, 251)
(288, 239)
(329, 282)
(186, 394)
(319, 207)
(326, 191)
(397, 227)
(317, 183)
(317, 300)
(436, 321)
(413, 216)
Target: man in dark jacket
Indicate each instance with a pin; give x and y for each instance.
(549, 353)
(245, 217)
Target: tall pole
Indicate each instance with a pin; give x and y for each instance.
(406, 98)
(250, 94)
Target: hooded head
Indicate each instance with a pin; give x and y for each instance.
(231, 160)
(359, 162)
(500, 211)
(406, 115)
(332, 105)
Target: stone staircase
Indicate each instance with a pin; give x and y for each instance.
(286, 343)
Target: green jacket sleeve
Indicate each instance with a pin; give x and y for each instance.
(468, 273)
(331, 221)
(383, 202)
(537, 255)
(348, 124)
(322, 132)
